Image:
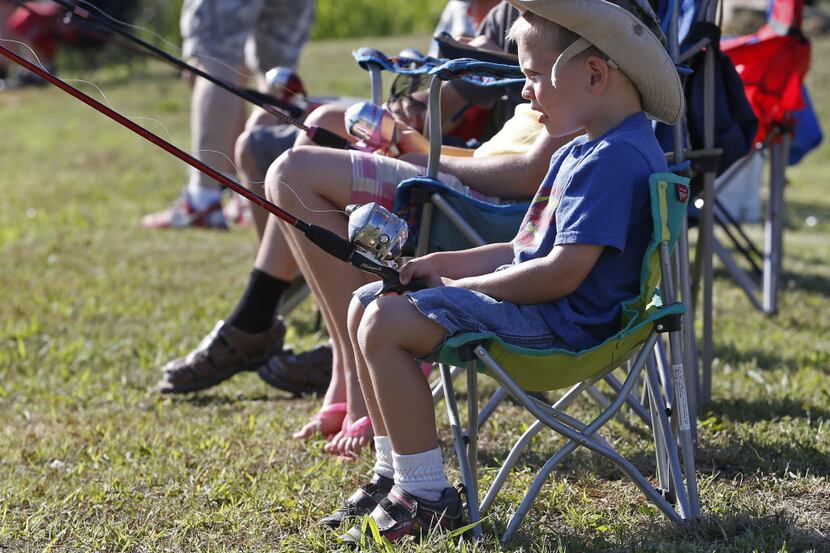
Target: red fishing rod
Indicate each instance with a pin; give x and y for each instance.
(327, 240)
(272, 105)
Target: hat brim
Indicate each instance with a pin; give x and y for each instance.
(628, 42)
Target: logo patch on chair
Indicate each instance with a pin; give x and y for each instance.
(682, 192)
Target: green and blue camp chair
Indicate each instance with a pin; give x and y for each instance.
(644, 319)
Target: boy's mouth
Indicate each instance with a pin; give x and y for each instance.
(542, 116)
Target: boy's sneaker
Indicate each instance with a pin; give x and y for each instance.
(221, 354)
(308, 372)
(401, 514)
(362, 502)
(181, 214)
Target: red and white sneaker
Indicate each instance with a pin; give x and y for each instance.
(182, 214)
(238, 211)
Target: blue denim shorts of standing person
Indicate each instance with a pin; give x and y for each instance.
(462, 311)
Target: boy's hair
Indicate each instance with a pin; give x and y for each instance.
(530, 23)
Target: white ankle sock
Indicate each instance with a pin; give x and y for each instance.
(421, 474)
(202, 197)
(383, 457)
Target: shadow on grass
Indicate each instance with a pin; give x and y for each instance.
(813, 359)
(765, 409)
(763, 359)
(812, 283)
(733, 532)
(212, 400)
(751, 456)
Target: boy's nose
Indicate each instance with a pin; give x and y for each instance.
(527, 90)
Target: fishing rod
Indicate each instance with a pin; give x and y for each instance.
(356, 253)
(272, 105)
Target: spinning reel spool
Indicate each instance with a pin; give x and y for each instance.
(377, 232)
(374, 126)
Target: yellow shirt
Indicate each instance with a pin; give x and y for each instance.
(516, 137)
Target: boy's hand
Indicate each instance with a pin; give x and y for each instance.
(411, 141)
(422, 269)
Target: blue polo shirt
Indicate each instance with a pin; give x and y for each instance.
(596, 192)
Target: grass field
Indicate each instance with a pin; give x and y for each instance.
(92, 460)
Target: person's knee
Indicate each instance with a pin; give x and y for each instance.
(382, 323)
(287, 178)
(355, 314)
(329, 116)
(282, 172)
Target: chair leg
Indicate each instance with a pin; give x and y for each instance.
(663, 370)
(678, 488)
(438, 386)
(686, 424)
(490, 407)
(631, 400)
(521, 444)
(472, 423)
(660, 447)
(460, 449)
(583, 437)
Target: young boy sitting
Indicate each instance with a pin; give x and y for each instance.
(595, 65)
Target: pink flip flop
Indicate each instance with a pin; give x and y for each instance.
(328, 421)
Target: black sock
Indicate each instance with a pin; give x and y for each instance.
(258, 305)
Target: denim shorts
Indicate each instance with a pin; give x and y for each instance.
(462, 311)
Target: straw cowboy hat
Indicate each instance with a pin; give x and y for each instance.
(628, 32)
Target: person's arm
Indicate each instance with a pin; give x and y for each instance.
(507, 176)
(459, 264)
(538, 280)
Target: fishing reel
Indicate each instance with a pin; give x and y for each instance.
(379, 237)
(376, 231)
(373, 126)
(284, 84)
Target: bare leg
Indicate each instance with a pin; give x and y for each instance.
(391, 333)
(211, 133)
(356, 312)
(315, 183)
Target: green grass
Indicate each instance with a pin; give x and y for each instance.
(92, 304)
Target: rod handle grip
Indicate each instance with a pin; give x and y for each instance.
(328, 139)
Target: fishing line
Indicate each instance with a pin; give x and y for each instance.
(167, 43)
(330, 242)
(280, 181)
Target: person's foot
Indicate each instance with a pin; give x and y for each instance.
(181, 213)
(308, 372)
(327, 421)
(221, 354)
(362, 502)
(401, 514)
(350, 441)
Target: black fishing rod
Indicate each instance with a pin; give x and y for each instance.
(272, 105)
(327, 240)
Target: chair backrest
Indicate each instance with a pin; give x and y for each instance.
(535, 369)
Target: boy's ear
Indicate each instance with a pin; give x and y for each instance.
(598, 71)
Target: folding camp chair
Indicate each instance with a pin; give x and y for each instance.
(644, 318)
(772, 63)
